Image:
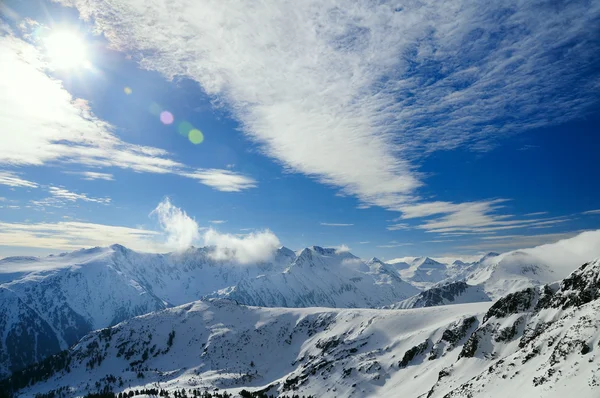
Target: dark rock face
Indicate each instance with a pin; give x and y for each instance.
(412, 353)
(453, 337)
(513, 303)
(581, 287)
(437, 295)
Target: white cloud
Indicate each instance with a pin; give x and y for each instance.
(13, 180)
(590, 212)
(75, 235)
(398, 227)
(329, 224)
(251, 248)
(61, 193)
(217, 221)
(180, 229)
(538, 213)
(92, 175)
(563, 253)
(222, 180)
(342, 248)
(383, 85)
(364, 242)
(43, 124)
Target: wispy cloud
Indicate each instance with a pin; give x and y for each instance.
(589, 212)
(391, 245)
(512, 242)
(398, 227)
(13, 180)
(44, 124)
(75, 235)
(61, 193)
(92, 175)
(330, 224)
(454, 219)
(384, 85)
(222, 180)
(217, 221)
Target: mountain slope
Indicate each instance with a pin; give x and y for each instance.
(508, 273)
(324, 278)
(538, 342)
(451, 293)
(218, 344)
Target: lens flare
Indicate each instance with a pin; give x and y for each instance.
(184, 128)
(166, 117)
(195, 136)
(127, 90)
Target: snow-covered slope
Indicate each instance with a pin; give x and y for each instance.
(322, 277)
(508, 273)
(451, 293)
(65, 297)
(218, 344)
(538, 342)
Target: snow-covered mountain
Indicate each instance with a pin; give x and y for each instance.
(424, 272)
(538, 342)
(321, 277)
(508, 273)
(451, 293)
(67, 296)
(64, 297)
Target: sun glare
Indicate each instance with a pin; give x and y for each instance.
(66, 50)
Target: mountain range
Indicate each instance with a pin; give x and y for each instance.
(50, 306)
(537, 342)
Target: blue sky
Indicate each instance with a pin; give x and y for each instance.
(391, 130)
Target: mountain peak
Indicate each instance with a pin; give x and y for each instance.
(375, 260)
(489, 255)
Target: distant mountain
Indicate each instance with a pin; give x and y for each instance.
(321, 277)
(451, 293)
(424, 272)
(537, 342)
(508, 273)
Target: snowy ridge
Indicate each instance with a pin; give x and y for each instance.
(508, 273)
(321, 277)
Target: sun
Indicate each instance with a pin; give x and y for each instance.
(66, 50)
